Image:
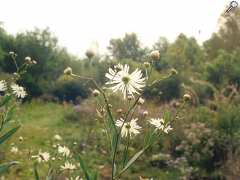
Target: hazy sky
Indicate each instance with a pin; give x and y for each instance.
(78, 23)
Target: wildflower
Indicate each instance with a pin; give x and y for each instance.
(128, 128)
(155, 55)
(127, 83)
(68, 166)
(146, 64)
(34, 61)
(174, 71)
(68, 71)
(187, 97)
(77, 178)
(118, 67)
(64, 150)
(20, 138)
(96, 92)
(145, 113)
(57, 137)
(160, 125)
(42, 157)
(167, 129)
(3, 86)
(74, 143)
(141, 101)
(11, 53)
(119, 110)
(28, 59)
(18, 91)
(14, 150)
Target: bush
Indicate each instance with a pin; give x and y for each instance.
(165, 90)
(70, 90)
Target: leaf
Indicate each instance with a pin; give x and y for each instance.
(8, 134)
(9, 115)
(36, 175)
(94, 176)
(132, 160)
(5, 100)
(84, 168)
(5, 166)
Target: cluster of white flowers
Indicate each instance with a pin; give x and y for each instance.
(18, 91)
(121, 80)
(42, 156)
(14, 150)
(132, 128)
(159, 124)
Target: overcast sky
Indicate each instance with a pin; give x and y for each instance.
(79, 23)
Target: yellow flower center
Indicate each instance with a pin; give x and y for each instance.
(125, 79)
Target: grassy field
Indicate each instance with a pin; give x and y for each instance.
(41, 121)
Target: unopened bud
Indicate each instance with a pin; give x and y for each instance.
(68, 71)
(119, 111)
(174, 71)
(155, 55)
(146, 64)
(96, 92)
(187, 97)
(141, 101)
(145, 113)
(90, 54)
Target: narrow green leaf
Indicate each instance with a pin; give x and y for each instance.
(9, 115)
(132, 160)
(5, 100)
(5, 166)
(8, 134)
(82, 164)
(36, 175)
(95, 176)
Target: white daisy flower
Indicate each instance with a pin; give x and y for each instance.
(128, 128)
(160, 125)
(57, 137)
(3, 85)
(18, 91)
(77, 178)
(128, 84)
(42, 157)
(167, 129)
(64, 150)
(68, 166)
(14, 150)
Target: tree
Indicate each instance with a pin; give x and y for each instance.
(128, 47)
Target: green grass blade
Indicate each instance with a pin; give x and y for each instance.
(36, 175)
(8, 134)
(5, 166)
(82, 164)
(5, 100)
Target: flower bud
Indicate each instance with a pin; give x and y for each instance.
(141, 101)
(96, 92)
(155, 55)
(68, 71)
(28, 59)
(147, 64)
(174, 71)
(145, 113)
(11, 53)
(119, 111)
(90, 53)
(187, 97)
(129, 98)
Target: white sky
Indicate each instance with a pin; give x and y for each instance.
(78, 23)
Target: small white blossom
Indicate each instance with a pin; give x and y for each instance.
(57, 137)
(128, 84)
(68, 166)
(14, 150)
(141, 101)
(3, 85)
(18, 91)
(128, 128)
(42, 157)
(160, 125)
(64, 150)
(76, 178)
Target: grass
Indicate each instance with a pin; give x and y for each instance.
(41, 121)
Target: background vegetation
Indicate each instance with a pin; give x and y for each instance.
(206, 139)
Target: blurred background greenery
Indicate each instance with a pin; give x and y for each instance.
(206, 139)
